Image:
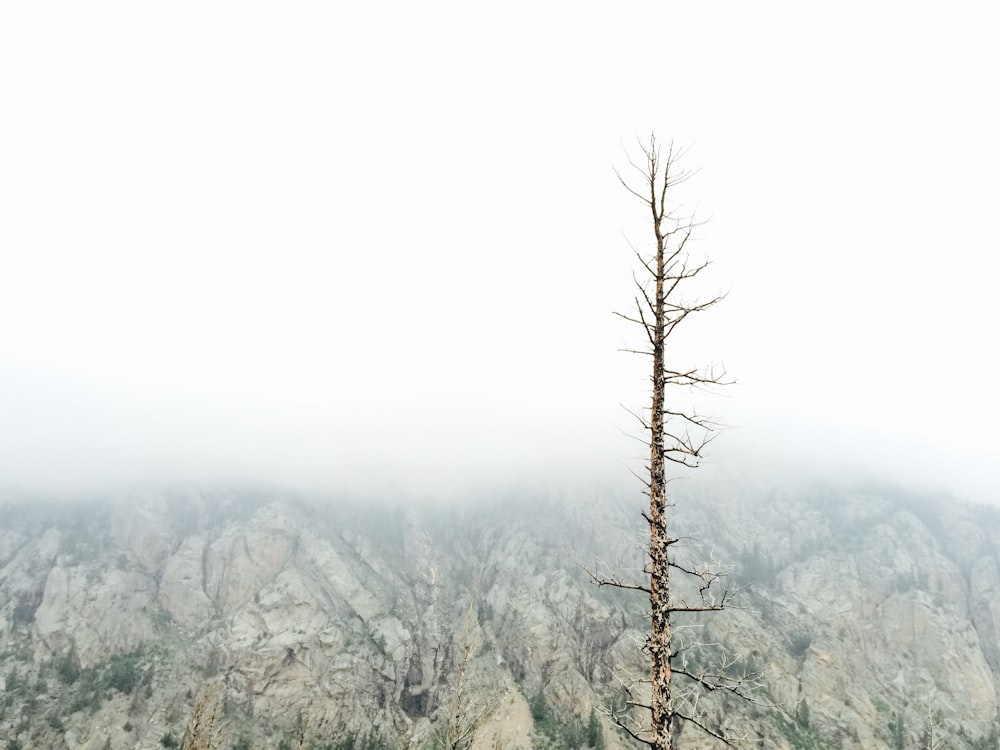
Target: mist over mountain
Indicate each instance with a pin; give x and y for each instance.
(318, 622)
(66, 436)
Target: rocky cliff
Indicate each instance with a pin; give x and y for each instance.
(271, 621)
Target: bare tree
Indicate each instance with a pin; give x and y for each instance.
(471, 701)
(206, 729)
(676, 435)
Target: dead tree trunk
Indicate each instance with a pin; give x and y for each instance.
(676, 435)
(661, 702)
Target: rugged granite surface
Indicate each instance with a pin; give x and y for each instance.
(279, 622)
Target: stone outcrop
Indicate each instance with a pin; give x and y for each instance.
(872, 617)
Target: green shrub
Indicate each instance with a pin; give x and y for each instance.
(799, 737)
(123, 672)
(799, 643)
(67, 669)
(24, 610)
(595, 735)
(13, 682)
(56, 722)
(897, 732)
(564, 731)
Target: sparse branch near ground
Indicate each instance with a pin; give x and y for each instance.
(469, 703)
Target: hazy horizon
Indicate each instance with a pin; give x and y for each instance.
(383, 244)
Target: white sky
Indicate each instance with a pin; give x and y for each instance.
(311, 243)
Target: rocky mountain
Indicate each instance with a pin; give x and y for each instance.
(251, 619)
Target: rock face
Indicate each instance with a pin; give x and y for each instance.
(93, 613)
(873, 618)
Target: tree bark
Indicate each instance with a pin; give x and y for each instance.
(659, 588)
